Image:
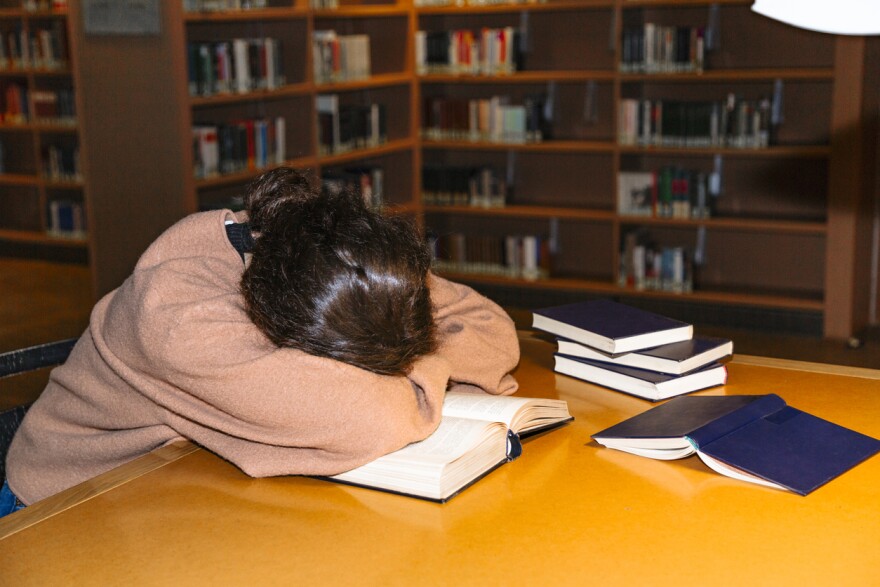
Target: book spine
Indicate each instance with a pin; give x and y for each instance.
(760, 408)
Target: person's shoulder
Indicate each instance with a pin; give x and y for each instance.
(201, 234)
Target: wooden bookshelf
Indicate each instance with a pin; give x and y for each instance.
(777, 240)
(28, 133)
(790, 231)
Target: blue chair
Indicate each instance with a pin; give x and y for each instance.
(21, 361)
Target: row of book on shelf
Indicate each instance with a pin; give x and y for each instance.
(656, 48)
(646, 265)
(489, 51)
(515, 256)
(58, 162)
(20, 105)
(733, 122)
(43, 5)
(236, 66)
(66, 219)
(669, 192)
(343, 127)
(368, 181)
(222, 5)
(337, 57)
(494, 119)
(61, 162)
(480, 187)
(240, 145)
(44, 48)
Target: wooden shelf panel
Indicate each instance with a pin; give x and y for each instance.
(525, 212)
(19, 179)
(374, 81)
(290, 90)
(549, 6)
(247, 15)
(249, 174)
(732, 75)
(653, 3)
(542, 147)
(33, 237)
(737, 224)
(797, 151)
(367, 11)
(813, 304)
(384, 149)
(520, 77)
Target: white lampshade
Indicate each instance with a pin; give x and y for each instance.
(845, 17)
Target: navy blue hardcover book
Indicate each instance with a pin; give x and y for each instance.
(650, 385)
(676, 358)
(611, 327)
(756, 438)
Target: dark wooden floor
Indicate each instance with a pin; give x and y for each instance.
(44, 301)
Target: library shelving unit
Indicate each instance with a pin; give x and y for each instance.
(789, 228)
(784, 234)
(38, 123)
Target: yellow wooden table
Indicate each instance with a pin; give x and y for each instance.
(568, 512)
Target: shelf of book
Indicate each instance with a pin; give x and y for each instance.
(41, 188)
(564, 70)
(772, 189)
(812, 302)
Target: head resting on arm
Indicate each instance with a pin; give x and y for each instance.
(332, 278)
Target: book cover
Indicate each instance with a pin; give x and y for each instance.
(650, 385)
(611, 327)
(676, 358)
(759, 439)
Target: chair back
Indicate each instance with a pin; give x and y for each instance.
(21, 361)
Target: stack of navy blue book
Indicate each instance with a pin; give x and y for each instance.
(632, 350)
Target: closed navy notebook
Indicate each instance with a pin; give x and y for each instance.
(610, 326)
(759, 435)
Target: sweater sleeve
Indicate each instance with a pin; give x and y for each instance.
(477, 338)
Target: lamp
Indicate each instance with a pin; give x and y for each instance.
(844, 17)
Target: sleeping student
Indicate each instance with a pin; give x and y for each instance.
(305, 335)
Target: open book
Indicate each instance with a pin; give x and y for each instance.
(756, 438)
(478, 433)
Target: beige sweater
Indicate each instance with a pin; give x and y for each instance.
(171, 354)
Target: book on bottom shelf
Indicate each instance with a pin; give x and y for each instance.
(676, 358)
(755, 438)
(478, 433)
(643, 383)
(610, 326)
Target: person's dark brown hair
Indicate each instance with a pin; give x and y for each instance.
(335, 279)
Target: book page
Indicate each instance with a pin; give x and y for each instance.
(458, 451)
(480, 406)
(520, 414)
